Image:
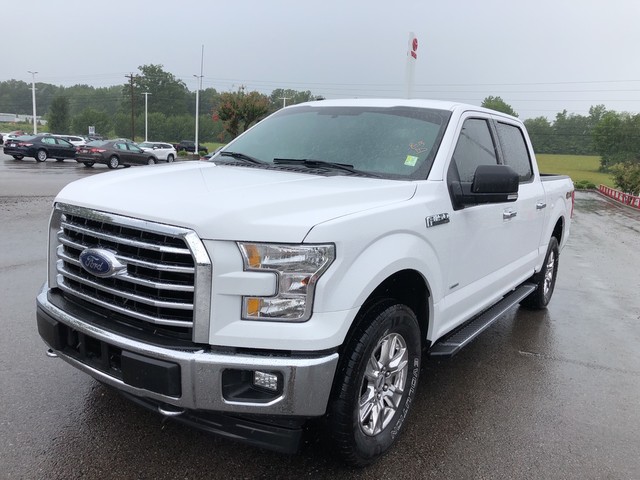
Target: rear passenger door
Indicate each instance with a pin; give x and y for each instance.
(525, 227)
(123, 152)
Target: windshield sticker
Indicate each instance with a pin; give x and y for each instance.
(419, 147)
(411, 161)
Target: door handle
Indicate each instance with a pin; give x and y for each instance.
(509, 214)
(540, 205)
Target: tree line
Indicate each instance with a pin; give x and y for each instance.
(120, 110)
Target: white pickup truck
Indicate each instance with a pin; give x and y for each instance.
(306, 269)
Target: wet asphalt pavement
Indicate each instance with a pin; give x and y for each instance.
(539, 395)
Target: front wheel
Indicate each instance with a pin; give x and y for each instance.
(170, 158)
(151, 161)
(113, 162)
(545, 279)
(41, 156)
(375, 383)
(88, 164)
(18, 157)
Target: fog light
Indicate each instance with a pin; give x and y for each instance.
(265, 380)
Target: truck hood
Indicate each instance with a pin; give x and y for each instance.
(222, 202)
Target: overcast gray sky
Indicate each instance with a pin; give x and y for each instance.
(540, 56)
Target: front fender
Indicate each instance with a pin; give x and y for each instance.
(359, 270)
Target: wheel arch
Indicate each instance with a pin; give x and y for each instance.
(558, 230)
(408, 287)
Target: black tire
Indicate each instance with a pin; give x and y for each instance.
(113, 162)
(170, 158)
(41, 155)
(88, 164)
(364, 388)
(151, 161)
(18, 157)
(545, 279)
(59, 159)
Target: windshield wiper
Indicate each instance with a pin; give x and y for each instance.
(241, 156)
(321, 164)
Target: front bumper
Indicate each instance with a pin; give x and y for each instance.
(190, 379)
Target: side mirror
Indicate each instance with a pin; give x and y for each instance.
(491, 184)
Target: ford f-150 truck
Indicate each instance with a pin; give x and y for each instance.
(306, 269)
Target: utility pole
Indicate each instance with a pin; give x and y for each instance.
(146, 126)
(284, 101)
(133, 131)
(33, 100)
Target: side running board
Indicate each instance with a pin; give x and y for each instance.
(453, 342)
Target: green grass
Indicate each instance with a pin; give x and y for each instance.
(212, 145)
(578, 167)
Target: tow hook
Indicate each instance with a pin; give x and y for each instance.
(51, 353)
(170, 410)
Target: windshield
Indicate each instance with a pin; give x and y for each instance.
(392, 142)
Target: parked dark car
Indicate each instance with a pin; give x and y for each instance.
(39, 147)
(114, 153)
(189, 146)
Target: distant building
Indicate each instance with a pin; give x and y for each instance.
(8, 117)
(16, 118)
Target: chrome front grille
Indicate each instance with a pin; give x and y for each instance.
(167, 271)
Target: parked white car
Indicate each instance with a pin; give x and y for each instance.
(74, 140)
(163, 151)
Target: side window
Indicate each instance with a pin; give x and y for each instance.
(121, 146)
(475, 147)
(514, 149)
(49, 140)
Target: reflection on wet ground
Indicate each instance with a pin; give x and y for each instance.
(49, 167)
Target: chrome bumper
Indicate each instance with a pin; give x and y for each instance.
(306, 381)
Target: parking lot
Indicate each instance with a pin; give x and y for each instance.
(551, 394)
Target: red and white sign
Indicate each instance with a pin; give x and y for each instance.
(413, 48)
(412, 57)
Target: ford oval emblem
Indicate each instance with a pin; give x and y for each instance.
(100, 263)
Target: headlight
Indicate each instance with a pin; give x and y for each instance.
(297, 267)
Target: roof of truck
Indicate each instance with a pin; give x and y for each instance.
(399, 102)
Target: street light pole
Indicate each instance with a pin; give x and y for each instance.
(146, 125)
(33, 100)
(198, 88)
(199, 78)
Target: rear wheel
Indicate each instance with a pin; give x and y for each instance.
(151, 161)
(18, 157)
(376, 382)
(545, 279)
(41, 156)
(113, 162)
(88, 164)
